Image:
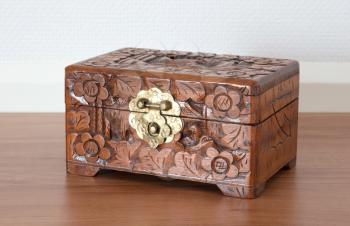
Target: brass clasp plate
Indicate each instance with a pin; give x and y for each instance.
(155, 116)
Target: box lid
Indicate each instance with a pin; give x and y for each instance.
(231, 88)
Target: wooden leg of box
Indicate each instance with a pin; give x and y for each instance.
(83, 170)
(291, 164)
(239, 191)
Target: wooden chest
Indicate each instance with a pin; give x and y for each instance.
(222, 119)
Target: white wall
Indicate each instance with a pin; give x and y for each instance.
(38, 38)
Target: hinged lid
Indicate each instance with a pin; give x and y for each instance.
(228, 88)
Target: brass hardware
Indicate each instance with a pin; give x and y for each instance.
(155, 116)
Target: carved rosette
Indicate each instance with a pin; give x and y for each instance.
(92, 148)
(224, 103)
(91, 88)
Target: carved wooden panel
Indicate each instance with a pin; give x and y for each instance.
(204, 100)
(103, 137)
(239, 158)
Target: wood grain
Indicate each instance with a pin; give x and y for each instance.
(35, 190)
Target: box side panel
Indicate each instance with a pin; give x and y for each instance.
(204, 151)
(275, 142)
(274, 99)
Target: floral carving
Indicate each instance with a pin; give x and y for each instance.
(91, 87)
(191, 109)
(224, 102)
(234, 136)
(221, 165)
(215, 142)
(124, 153)
(126, 86)
(92, 148)
(162, 84)
(156, 161)
(186, 90)
(187, 164)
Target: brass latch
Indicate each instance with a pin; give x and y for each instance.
(155, 116)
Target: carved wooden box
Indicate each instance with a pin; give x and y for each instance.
(221, 119)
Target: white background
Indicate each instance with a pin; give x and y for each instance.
(39, 38)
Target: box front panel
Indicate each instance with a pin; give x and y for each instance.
(205, 151)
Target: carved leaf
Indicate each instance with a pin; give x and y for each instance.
(124, 152)
(154, 160)
(231, 132)
(126, 86)
(186, 90)
(176, 146)
(162, 84)
(187, 164)
(188, 110)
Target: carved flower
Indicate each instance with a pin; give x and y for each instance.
(223, 102)
(91, 87)
(220, 164)
(92, 148)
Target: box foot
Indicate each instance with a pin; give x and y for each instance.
(239, 191)
(291, 164)
(83, 170)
